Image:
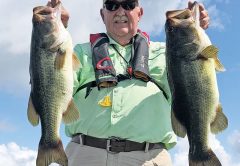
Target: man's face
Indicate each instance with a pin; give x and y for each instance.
(121, 23)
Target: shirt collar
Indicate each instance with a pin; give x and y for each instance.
(112, 41)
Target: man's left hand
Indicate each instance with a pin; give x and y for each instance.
(204, 18)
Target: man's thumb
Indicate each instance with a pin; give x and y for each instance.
(54, 2)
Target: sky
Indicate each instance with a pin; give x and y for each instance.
(19, 140)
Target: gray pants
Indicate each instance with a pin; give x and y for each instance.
(81, 155)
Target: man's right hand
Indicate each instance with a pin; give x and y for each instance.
(64, 12)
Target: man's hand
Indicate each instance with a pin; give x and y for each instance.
(204, 18)
(64, 12)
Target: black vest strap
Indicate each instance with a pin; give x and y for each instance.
(104, 71)
(92, 84)
(120, 77)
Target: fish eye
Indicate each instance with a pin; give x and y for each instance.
(170, 28)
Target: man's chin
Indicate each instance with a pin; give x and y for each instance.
(122, 32)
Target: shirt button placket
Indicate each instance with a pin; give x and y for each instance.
(116, 106)
(121, 59)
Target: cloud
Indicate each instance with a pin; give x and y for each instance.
(180, 157)
(216, 21)
(234, 68)
(154, 14)
(16, 27)
(234, 141)
(223, 1)
(6, 127)
(12, 154)
(14, 44)
(14, 73)
(218, 18)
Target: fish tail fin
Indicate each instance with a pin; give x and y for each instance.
(205, 158)
(51, 154)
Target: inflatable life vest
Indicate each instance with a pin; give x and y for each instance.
(105, 73)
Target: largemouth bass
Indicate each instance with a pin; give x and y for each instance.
(192, 63)
(51, 76)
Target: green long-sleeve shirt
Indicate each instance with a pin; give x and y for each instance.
(139, 110)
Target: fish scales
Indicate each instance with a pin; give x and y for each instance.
(191, 63)
(51, 76)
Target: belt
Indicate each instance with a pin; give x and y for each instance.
(114, 144)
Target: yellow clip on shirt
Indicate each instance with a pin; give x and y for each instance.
(106, 102)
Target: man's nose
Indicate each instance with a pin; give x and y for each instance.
(121, 11)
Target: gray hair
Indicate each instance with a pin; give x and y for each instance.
(106, 0)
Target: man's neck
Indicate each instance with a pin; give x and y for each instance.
(122, 40)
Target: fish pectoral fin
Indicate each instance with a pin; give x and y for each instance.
(218, 65)
(220, 122)
(212, 52)
(209, 52)
(76, 62)
(71, 114)
(177, 126)
(33, 116)
(60, 60)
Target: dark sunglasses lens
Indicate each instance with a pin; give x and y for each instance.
(111, 6)
(129, 5)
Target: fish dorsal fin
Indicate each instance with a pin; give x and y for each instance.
(33, 116)
(212, 52)
(71, 114)
(220, 122)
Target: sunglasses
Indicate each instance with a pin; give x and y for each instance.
(114, 5)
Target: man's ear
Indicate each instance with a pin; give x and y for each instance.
(140, 13)
(102, 15)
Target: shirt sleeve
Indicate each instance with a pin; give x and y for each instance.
(157, 66)
(76, 73)
(84, 74)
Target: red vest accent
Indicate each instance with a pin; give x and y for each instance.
(94, 37)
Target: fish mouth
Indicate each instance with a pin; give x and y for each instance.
(45, 13)
(40, 13)
(179, 14)
(181, 18)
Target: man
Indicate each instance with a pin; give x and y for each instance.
(122, 93)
